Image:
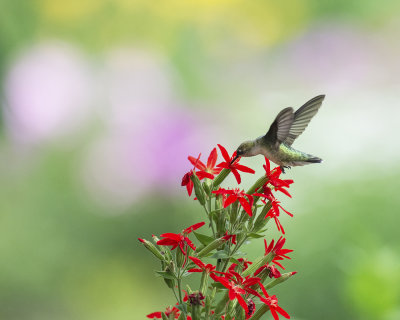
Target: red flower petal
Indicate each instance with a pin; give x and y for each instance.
(224, 153)
(237, 175)
(197, 163)
(231, 199)
(212, 158)
(244, 168)
(246, 206)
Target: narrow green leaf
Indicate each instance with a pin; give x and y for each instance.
(205, 240)
(255, 235)
(166, 275)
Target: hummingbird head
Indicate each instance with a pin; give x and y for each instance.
(244, 150)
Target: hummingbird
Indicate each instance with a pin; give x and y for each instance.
(276, 144)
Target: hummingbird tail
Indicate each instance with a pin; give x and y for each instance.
(314, 160)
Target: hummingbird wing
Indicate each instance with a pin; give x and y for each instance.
(280, 128)
(302, 118)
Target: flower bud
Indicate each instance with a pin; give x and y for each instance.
(210, 247)
(261, 220)
(258, 263)
(221, 177)
(198, 189)
(152, 248)
(163, 249)
(180, 258)
(282, 278)
(258, 184)
(206, 187)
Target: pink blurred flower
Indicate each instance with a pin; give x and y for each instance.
(48, 93)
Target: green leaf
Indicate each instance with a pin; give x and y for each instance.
(233, 260)
(239, 254)
(166, 275)
(205, 240)
(220, 255)
(255, 235)
(217, 285)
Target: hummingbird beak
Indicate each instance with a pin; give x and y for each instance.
(234, 159)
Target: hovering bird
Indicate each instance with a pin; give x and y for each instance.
(276, 145)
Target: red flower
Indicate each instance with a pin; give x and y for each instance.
(236, 194)
(179, 239)
(208, 268)
(273, 272)
(279, 253)
(273, 178)
(169, 311)
(274, 211)
(252, 308)
(237, 286)
(186, 181)
(234, 166)
(206, 171)
(244, 262)
(272, 303)
(231, 237)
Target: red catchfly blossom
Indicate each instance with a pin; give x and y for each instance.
(179, 239)
(234, 166)
(237, 194)
(272, 303)
(244, 262)
(208, 268)
(279, 253)
(273, 272)
(186, 181)
(273, 178)
(231, 237)
(206, 171)
(169, 311)
(274, 211)
(237, 286)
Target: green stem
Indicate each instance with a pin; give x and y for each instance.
(236, 248)
(210, 218)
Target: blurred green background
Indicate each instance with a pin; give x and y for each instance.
(102, 101)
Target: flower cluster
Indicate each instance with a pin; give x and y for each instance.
(231, 286)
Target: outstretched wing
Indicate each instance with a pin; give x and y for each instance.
(280, 128)
(302, 118)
